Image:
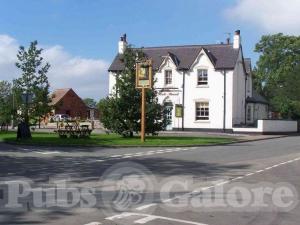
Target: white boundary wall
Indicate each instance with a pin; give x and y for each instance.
(270, 126)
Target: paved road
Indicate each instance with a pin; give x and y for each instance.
(231, 174)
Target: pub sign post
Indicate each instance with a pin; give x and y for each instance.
(143, 82)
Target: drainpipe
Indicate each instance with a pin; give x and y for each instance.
(183, 100)
(224, 101)
(245, 99)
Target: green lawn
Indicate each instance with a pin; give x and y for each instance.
(113, 140)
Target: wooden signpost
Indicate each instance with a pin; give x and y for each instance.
(143, 82)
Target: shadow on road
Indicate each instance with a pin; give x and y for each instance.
(86, 169)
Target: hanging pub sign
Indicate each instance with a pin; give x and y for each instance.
(144, 74)
(178, 111)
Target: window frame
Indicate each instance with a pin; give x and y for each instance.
(201, 79)
(168, 72)
(202, 112)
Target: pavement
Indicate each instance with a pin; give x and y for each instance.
(155, 185)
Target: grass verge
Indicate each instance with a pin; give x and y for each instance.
(113, 140)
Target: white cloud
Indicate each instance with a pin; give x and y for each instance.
(88, 77)
(269, 15)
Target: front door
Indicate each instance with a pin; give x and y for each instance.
(169, 109)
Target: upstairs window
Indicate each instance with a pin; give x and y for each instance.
(202, 77)
(202, 111)
(168, 77)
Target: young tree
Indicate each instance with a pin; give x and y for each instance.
(6, 102)
(279, 57)
(121, 112)
(33, 81)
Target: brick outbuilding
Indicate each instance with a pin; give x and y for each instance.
(66, 101)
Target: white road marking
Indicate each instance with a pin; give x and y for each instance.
(93, 223)
(149, 218)
(168, 200)
(114, 156)
(145, 206)
(237, 178)
(100, 160)
(249, 174)
(268, 168)
(151, 152)
(222, 183)
(48, 153)
(206, 188)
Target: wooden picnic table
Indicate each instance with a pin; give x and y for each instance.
(74, 131)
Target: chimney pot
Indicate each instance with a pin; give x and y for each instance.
(228, 41)
(237, 32)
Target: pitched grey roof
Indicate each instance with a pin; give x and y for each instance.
(256, 98)
(223, 56)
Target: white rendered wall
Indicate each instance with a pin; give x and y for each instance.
(170, 93)
(238, 115)
(270, 126)
(278, 125)
(212, 93)
(112, 82)
(260, 112)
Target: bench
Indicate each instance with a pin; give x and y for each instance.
(74, 131)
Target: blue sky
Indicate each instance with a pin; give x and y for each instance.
(88, 30)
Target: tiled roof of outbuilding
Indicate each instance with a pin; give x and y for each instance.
(58, 94)
(257, 98)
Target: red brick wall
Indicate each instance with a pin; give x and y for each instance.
(72, 105)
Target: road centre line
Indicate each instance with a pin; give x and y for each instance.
(140, 154)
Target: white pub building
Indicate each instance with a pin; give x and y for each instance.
(211, 83)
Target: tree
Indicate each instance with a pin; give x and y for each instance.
(121, 112)
(279, 57)
(90, 102)
(6, 102)
(287, 95)
(33, 81)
